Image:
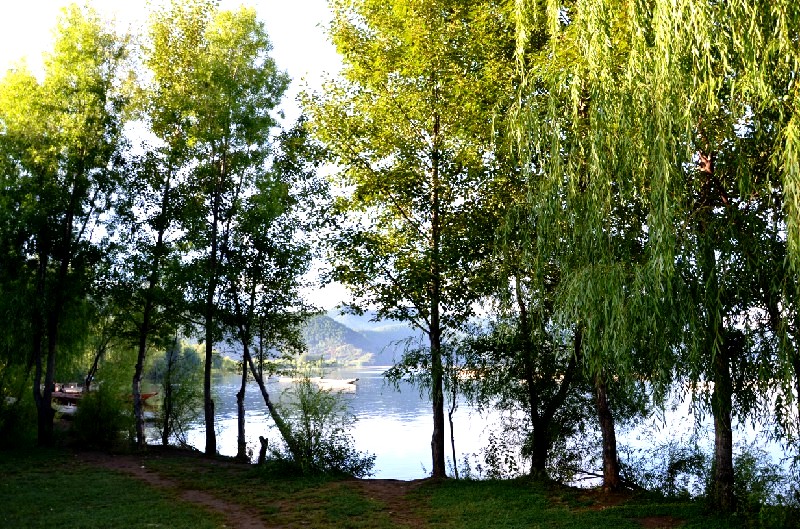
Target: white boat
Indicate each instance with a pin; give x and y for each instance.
(336, 384)
(328, 384)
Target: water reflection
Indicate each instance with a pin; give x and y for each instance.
(394, 424)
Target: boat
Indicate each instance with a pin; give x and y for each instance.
(328, 384)
(70, 396)
(336, 384)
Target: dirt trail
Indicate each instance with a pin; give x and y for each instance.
(391, 493)
(235, 515)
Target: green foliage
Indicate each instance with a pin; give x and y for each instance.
(61, 142)
(674, 468)
(409, 123)
(179, 371)
(761, 485)
(660, 144)
(104, 418)
(17, 409)
(319, 421)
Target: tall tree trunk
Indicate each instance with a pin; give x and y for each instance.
(541, 441)
(136, 388)
(208, 401)
(147, 314)
(435, 335)
(241, 442)
(46, 412)
(166, 430)
(437, 393)
(611, 478)
(57, 294)
(722, 491)
(40, 397)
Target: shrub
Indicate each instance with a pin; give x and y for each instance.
(319, 421)
(17, 422)
(103, 418)
(180, 374)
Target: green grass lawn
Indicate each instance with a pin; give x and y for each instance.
(55, 488)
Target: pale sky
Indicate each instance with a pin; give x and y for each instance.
(295, 27)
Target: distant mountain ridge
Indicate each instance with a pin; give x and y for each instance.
(346, 339)
(355, 339)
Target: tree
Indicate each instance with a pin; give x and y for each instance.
(263, 269)
(147, 291)
(689, 116)
(222, 87)
(409, 124)
(64, 136)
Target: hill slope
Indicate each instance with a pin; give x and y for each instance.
(354, 339)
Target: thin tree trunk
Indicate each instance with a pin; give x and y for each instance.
(722, 492)
(166, 430)
(435, 335)
(283, 428)
(87, 382)
(136, 389)
(42, 401)
(450, 412)
(539, 430)
(611, 478)
(46, 412)
(208, 402)
(241, 445)
(149, 307)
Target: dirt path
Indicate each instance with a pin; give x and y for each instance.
(235, 515)
(391, 493)
(394, 495)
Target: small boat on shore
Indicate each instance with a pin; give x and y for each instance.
(66, 397)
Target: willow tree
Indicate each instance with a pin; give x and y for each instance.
(222, 87)
(64, 135)
(409, 125)
(689, 112)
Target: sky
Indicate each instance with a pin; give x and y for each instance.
(295, 26)
(300, 47)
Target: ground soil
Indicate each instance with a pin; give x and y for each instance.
(391, 493)
(234, 514)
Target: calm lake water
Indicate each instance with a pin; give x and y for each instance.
(396, 426)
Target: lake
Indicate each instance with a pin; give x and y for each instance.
(396, 426)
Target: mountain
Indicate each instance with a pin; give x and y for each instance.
(347, 339)
(355, 339)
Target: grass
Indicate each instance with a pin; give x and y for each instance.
(54, 488)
